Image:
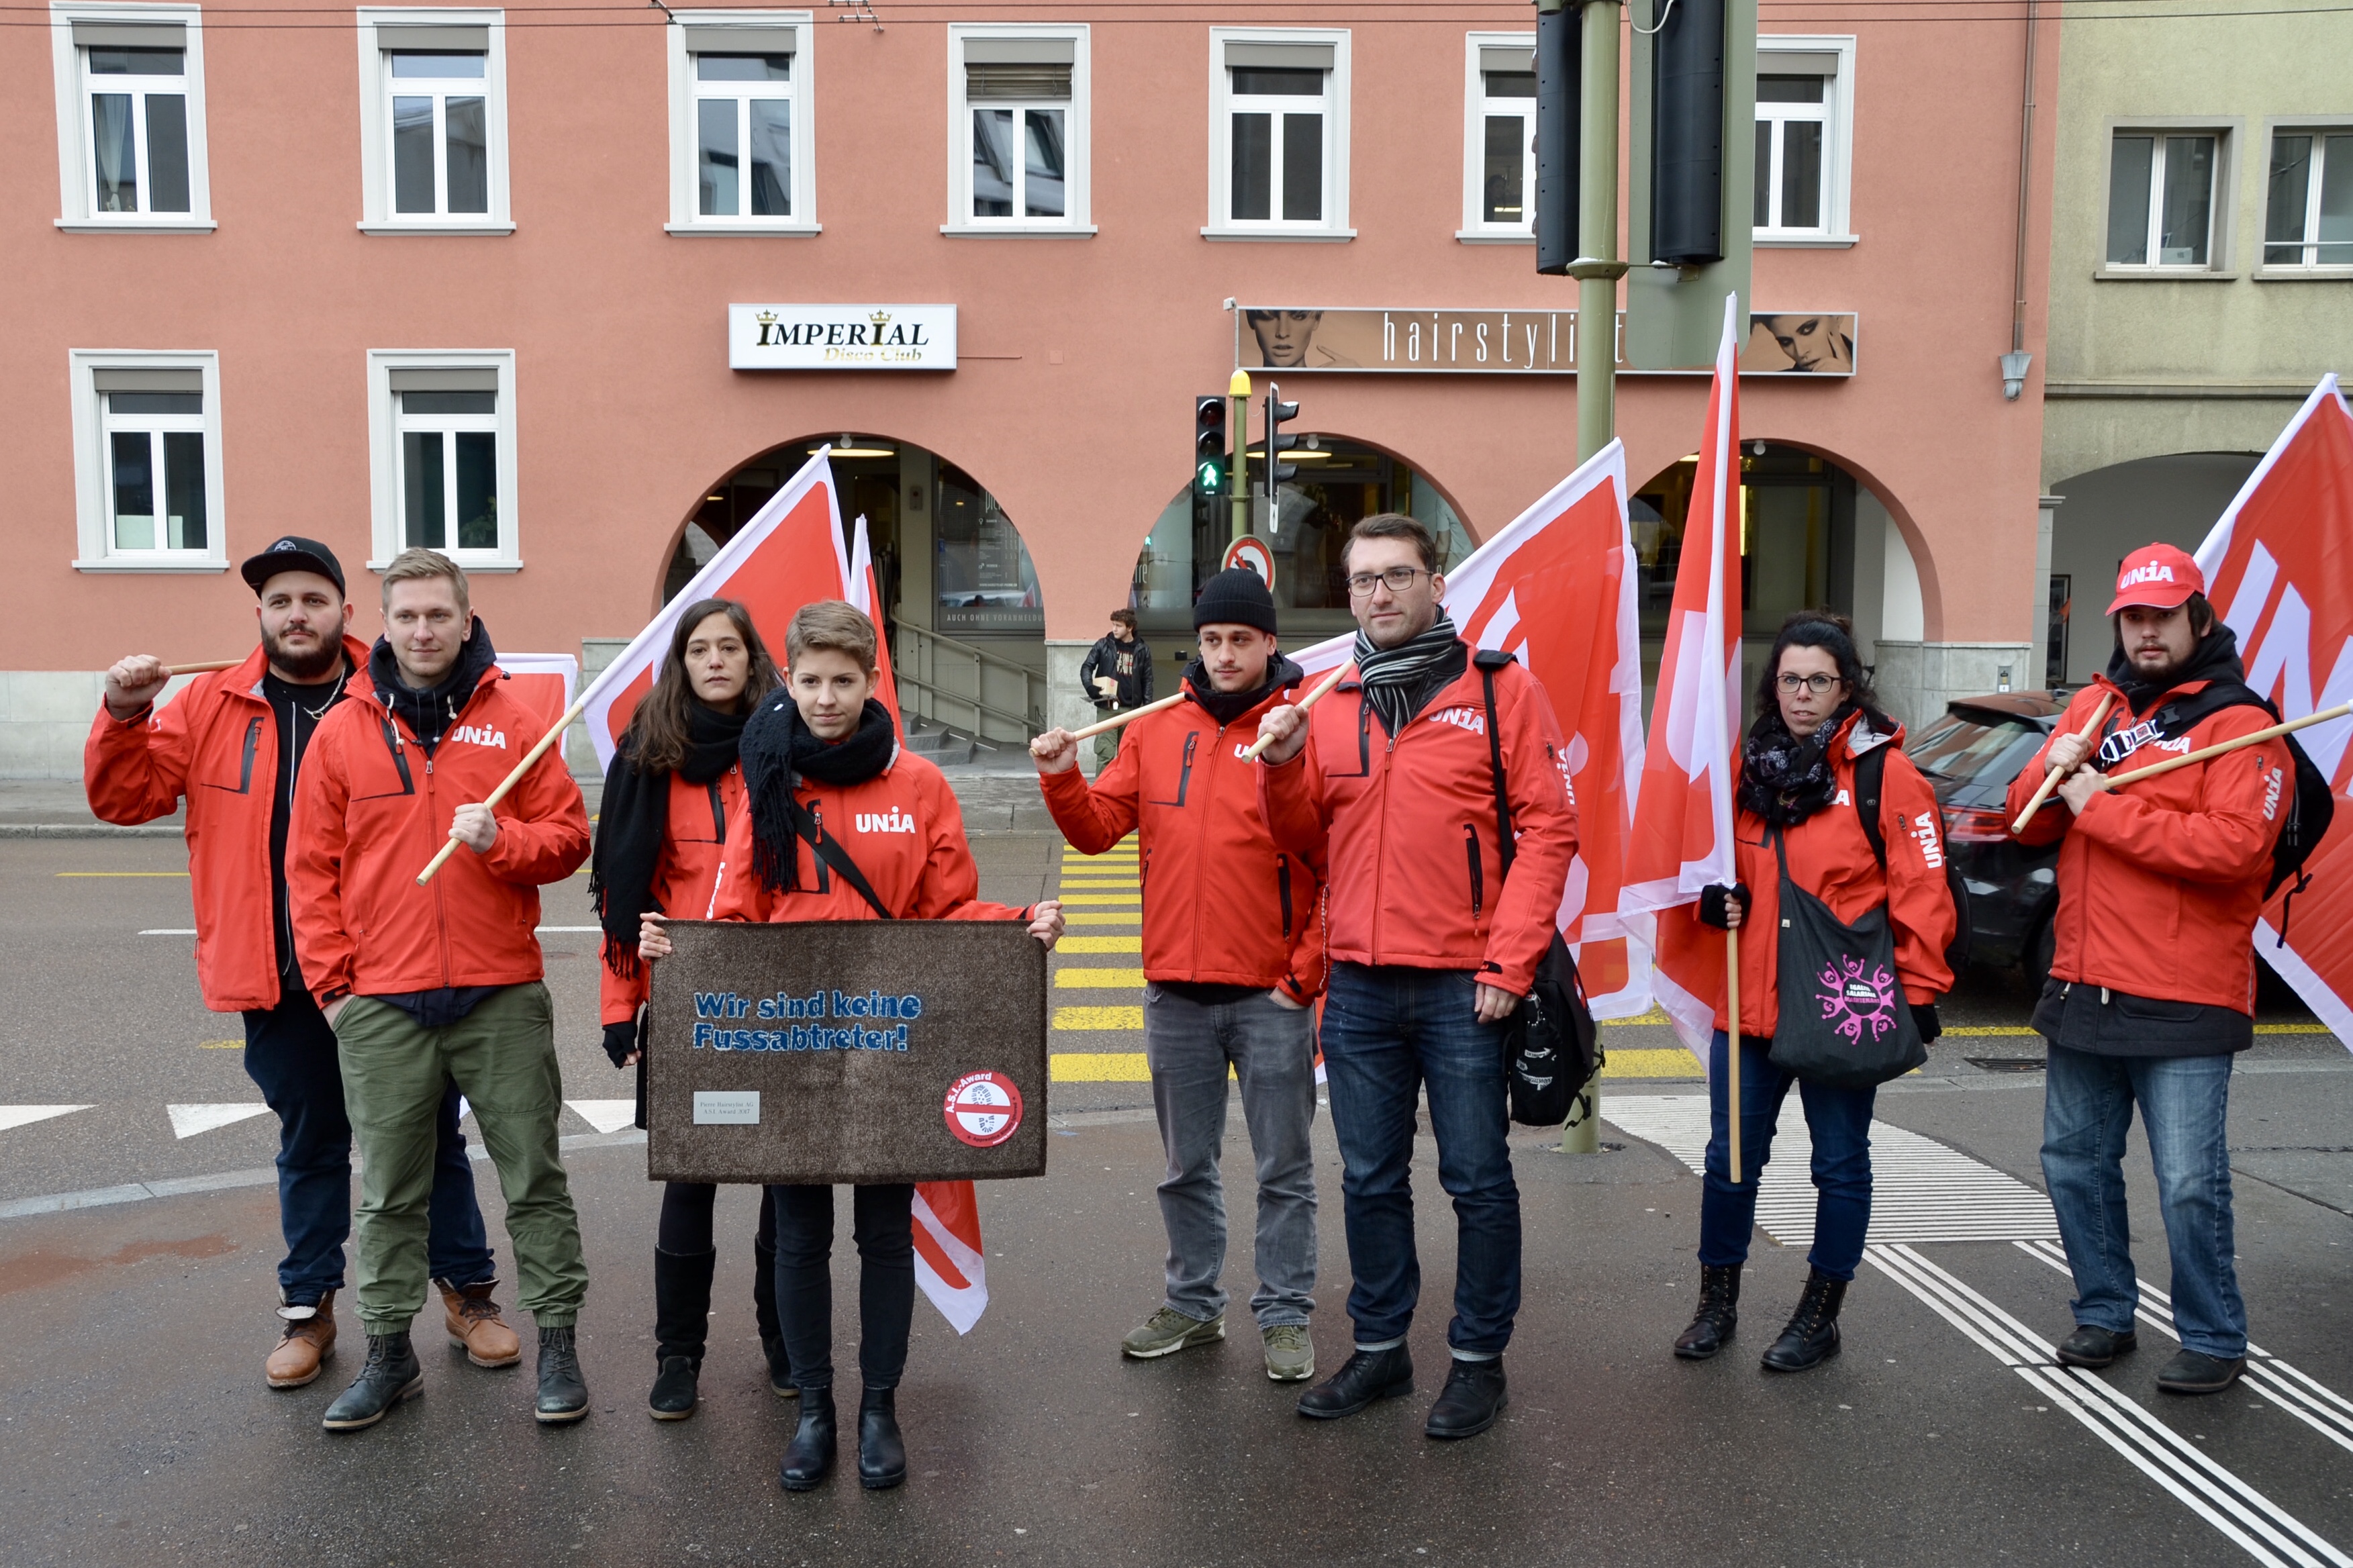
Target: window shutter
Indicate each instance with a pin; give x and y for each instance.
(131, 35)
(1033, 81)
(185, 378)
(475, 378)
(404, 36)
(1791, 62)
(1020, 51)
(1493, 59)
(721, 39)
(1284, 56)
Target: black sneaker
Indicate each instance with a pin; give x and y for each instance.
(1473, 1396)
(390, 1376)
(563, 1392)
(1367, 1376)
(2190, 1372)
(2095, 1347)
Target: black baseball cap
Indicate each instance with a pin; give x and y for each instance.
(293, 552)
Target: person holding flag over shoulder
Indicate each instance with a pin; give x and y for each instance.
(2152, 979)
(660, 830)
(1233, 955)
(821, 762)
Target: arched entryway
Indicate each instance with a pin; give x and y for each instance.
(960, 599)
(2105, 514)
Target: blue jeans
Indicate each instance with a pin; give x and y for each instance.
(1838, 1121)
(1388, 1033)
(290, 1052)
(2185, 1102)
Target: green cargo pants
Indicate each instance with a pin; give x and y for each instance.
(502, 1055)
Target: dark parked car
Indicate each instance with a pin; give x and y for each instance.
(1971, 756)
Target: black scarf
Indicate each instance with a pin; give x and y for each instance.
(1783, 779)
(1399, 681)
(2216, 658)
(778, 751)
(632, 818)
(429, 713)
(1226, 706)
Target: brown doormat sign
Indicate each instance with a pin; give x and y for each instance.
(847, 1051)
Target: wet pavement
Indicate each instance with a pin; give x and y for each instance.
(134, 1426)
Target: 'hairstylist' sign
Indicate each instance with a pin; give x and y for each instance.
(847, 1051)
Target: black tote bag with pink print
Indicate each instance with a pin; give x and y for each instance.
(1843, 1019)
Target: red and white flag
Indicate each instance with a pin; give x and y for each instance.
(2279, 570)
(1558, 587)
(542, 682)
(949, 1264)
(1682, 823)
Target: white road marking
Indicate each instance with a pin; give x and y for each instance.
(606, 1115)
(25, 1115)
(187, 1120)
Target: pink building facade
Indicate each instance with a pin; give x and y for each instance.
(463, 276)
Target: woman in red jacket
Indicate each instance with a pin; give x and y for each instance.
(660, 829)
(825, 765)
(1798, 816)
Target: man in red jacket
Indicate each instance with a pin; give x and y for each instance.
(2153, 981)
(232, 746)
(1233, 960)
(1389, 787)
(427, 984)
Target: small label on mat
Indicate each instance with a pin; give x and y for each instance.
(727, 1107)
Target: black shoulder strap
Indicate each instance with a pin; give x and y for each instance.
(1870, 773)
(2181, 715)
(830, 850)
(1488, 661)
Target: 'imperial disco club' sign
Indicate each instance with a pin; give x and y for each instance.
(841, 337)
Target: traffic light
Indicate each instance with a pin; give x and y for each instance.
(1559, 63)
(1695, 88)
(1278, 414)
(1209, 444)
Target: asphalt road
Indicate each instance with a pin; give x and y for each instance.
(134, 1426)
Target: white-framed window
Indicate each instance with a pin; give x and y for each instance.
(2167, 195)
(1805, 120)
(1018, 130)
(130, 117)
(147, 460)
(741, 137)
(1499, 137)
(1278, 134)
(2309, 199)
(442, 455)
(433, 121)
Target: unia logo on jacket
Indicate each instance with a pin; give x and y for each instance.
(891, 821)
(1469, 719)
(481, 735)
(1923, 829)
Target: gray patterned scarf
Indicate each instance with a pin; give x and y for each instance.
(1400, 680)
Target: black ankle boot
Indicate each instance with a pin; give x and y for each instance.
(1367, 1375)
(1812, 1336)
(674, 1391)
(390, 1376)
(681, 1322)
(563, 1392)
(772, 1333)
(1719, 1313)
(1473, 1396)
(881, 1455)
(810, 1453)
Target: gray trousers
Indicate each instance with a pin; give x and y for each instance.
(1272, 1051)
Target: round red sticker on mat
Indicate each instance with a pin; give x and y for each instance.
(984, 1108)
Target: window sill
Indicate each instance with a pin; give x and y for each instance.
(1287, 236)
(2303, 274)
(472, 567)
(1491, 237)
(1805, 241)
(137, 225)
(1018, 231)
(443, 229)
(133, 564)
(744, 230)
(2160, 275)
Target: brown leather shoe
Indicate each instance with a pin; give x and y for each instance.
(474, 1325)
(304, 1344)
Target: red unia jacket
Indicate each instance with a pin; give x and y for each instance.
(372, 809)
(1830, 858)
(1222, 905)
(2160, 881)
(686, 875)
(1404, 829)
(902, 829)
(218, 745)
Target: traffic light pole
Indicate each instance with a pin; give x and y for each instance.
(1238, 464)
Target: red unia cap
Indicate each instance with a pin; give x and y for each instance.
(2158, 576)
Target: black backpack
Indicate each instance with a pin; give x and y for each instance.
(1870, 772)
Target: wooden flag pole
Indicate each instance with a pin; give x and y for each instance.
(1125, 716)
(2341, 711)
(1310, 700)
(1731, 1053)
(2050, 778)
(530, 759)
(204, 669)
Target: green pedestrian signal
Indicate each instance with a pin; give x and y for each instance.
(1210, 476)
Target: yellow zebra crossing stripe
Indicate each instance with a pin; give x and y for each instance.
(1099, 1018)
(1098, 979)
(1100, 944)
(1099, 1067)
(1129, 899)
(1102, 918)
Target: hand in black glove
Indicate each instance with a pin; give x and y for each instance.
(620, 1039)
(1923, 1018)
(1712, 901)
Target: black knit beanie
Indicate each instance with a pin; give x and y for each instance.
(1238, 598)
